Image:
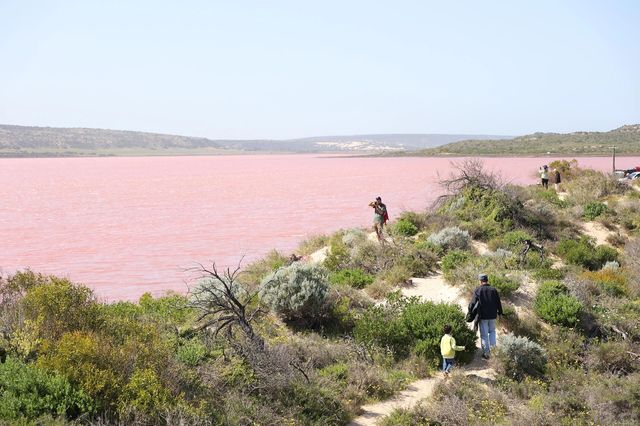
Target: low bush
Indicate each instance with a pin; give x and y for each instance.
(295, 292)
(610, 281)
(617, 240)
(564, 347)
(451, 238)
(353, 237)
(594, 209)
(543, 274)
(404, 227)
(583, 253)
(409, 325)
(356, 278)
(505, 285)
(453, 260)
(29, 393)
(613, 357)
(338, 257)
(520, 357)
(554, 304)
(511, 240)
(313, 244)
(591, 185)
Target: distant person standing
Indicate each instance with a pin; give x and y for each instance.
(556, 184)
(488, 310)
(544, 176)
(380, 216)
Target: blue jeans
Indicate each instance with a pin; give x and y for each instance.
(447, 364)
(488, 334)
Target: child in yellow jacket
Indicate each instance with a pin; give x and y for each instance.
(448, 349)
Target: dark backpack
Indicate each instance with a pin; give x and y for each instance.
(472, 311)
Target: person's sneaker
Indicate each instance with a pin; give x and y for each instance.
(485, 355)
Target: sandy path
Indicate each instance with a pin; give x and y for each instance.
(432, 288)
(435, 289)
(597, 231)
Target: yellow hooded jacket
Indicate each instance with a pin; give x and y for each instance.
(448, 346)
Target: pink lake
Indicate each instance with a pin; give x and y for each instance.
(126, 226)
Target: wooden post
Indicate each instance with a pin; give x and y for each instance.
(614, 159)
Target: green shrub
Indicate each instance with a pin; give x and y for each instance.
(144, 393)
(510, 240)
(594, 209)
(520, 357)
(28, 393)
(505, 285)
(382, 326)
(405, 227)
(396, 275)
(554, 304)
(548, 274)
(316, 405)
(583, 253)
(338, 256)
(550, 197)
(296, 292)
(356, 278)
(192, 352)
(412, 326)
(453, 259)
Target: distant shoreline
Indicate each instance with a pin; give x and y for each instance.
(7, 155)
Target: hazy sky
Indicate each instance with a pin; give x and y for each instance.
(281, 69)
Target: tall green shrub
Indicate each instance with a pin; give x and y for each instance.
(27, 392)
(583, 253)
(554, 304)
(413, 326)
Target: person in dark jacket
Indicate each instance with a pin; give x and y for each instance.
(488, 310)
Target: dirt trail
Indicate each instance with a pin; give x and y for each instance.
(433, 288)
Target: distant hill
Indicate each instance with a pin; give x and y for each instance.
(26, 141)
(625, 138)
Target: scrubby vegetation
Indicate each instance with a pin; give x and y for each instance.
(287, 341)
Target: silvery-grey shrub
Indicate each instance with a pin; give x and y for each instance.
(297, 291)
(611, 265)
(520, 356)
(450, 238)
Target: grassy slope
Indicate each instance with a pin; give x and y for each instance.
(626, 139)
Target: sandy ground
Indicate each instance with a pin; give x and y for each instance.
(435, 289)
(597, 231)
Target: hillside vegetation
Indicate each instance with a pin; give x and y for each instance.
(310, 341)
(626, 139)
(24, 141)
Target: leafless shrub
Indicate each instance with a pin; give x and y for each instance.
(225, 305)
(471, 172)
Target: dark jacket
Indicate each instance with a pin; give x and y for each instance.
(489, 298)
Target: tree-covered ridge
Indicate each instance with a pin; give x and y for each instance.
(626, 139)
(309, 341)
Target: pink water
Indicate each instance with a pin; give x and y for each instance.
(125, 226)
